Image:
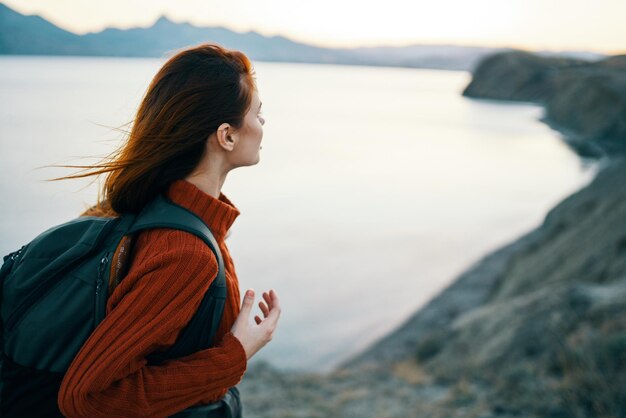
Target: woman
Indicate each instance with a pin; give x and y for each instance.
(199, 119)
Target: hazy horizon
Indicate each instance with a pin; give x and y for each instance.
(529, 24)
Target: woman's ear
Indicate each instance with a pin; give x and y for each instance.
(226, 136)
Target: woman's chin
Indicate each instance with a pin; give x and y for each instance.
(255, 161)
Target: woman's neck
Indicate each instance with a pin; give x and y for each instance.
(210, 185)
(210, 173)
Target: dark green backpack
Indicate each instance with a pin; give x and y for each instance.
(53, 294)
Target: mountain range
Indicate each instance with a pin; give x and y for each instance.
(33, 35)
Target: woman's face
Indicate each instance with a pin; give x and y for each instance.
(249, 136)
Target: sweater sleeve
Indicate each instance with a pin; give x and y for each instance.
(109, 376)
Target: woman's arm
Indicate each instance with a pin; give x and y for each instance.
(109, 376)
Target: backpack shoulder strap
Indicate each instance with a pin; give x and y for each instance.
(161, 212)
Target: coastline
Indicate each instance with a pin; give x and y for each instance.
(387, 377)
(496, 342)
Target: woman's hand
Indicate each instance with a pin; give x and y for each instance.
(254, 336)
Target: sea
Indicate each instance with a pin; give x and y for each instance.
(376, 187)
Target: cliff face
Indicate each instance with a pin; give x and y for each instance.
(516, 76)
(581, 246)
(586, 100)
(537, 328)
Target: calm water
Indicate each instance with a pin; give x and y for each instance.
(377, 186)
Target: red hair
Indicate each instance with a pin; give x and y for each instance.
(194, 92)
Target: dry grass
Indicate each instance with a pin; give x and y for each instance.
(411, 372)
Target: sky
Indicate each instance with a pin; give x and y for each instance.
(591, 25)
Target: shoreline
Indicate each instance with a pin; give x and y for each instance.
(358, 386)
(483, 273)
(497, 341)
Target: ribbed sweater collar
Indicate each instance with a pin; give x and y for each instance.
(218, 213)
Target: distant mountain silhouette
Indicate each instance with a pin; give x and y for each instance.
(33, 35)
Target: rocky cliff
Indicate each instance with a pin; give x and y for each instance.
(534, 329)
(584, 99)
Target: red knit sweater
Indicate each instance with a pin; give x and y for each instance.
(169, 274)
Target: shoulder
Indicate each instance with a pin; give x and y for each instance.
(167, 259)
(101, 210)
(174, 245)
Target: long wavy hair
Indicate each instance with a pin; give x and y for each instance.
(194, 92)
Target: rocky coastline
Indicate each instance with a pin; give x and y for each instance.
(585, 100)
(534, 329)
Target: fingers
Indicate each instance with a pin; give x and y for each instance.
(273, 295)
(264, 309)
(270, 307)
(275, 308)
(268, 299)
(246, 305)
(267, 306)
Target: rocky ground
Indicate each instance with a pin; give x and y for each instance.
(585, 100)
(534, 329)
